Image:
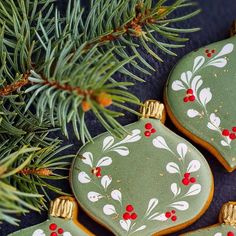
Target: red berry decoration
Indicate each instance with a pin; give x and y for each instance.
(208, 54)
(147, 133)
(185, 181)
(186, 175)
(186, 99)
(52, 226)
(225, 132)
(129, 208)
(126, 216)
(189, 91)
(153, 131)
(174, 218)
(148, 126)
(192, 98)
(192, 180)
(134, 216)
(60, 231)
(168, 214)
(98, 172)
(213, 51)
(232, 136)
(173, 211)
(230, 233)
(234, 129)
(54, 234)
(207, 51)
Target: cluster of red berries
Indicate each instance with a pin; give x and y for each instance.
(129, 214)
(171, 215)
(54, 227)
(210, 52)
(189, 96)
(188, 179)
(149, 130)
(230, 233)
(97, 171)
(231, 135)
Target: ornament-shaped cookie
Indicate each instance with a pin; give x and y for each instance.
(151, 182)
(62, 221)
(200, 99)
(226, 227)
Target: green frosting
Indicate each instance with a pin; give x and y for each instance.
(201, 95)
(148, 182)
(216, 230)
(61, 227)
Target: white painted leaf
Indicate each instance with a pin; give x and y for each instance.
(193, 166)
(198, 62)
(218, 234)
(106, 181)
(38, 232)
(116, 195)
(151, 205)
(215, 120)
(172, 168)
(161, 217)
(133, 137)
(175, 189)
(205, 96)
(182, 150)
(160, 142)
(109, 210)
(196, 84)
(83, 178)
(121, 150)
(211, 126)
(220, 63)
(223, 143)
(140, 228)
(177, 85)
(107, 143)
(181, 205)
(228, 48)
(193, 113)
(67, 234)
(104, 161)
(87, 158)
(153, 215)
(125, 224)
(186, 77)
(94, 196)
(194, 190)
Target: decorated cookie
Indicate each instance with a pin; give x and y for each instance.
(62, 221)
(200, 99)
(150, 182)
(226, 227)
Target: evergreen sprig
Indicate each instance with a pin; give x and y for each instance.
(65, 63)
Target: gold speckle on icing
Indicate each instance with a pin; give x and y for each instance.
(233, 159)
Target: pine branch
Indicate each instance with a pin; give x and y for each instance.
(66, 64)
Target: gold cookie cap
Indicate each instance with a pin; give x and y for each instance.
(228, 214)
(153, 109)
(62, 207)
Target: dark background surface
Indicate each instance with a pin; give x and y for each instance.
(215, 21)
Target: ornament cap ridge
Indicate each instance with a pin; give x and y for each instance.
(228, 214)
(153, 109)
(63, 207)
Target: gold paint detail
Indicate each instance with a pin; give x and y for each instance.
(62, 208)
(228, 214)
(153, 109)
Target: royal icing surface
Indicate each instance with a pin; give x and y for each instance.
(148, 182)
(52, 227)
(201, 95)
(217, 230)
